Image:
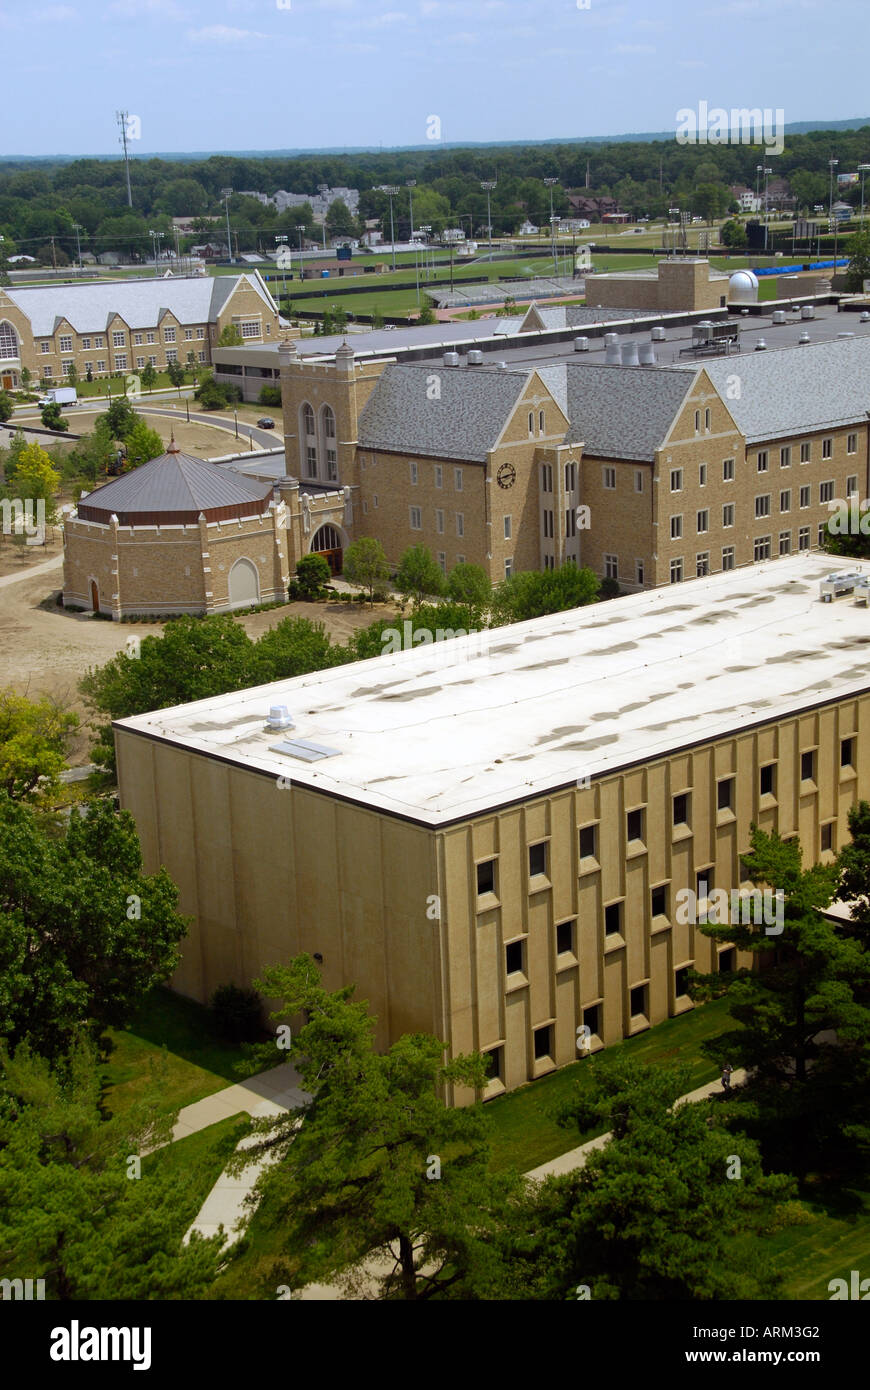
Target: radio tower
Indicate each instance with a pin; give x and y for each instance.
(122, 117)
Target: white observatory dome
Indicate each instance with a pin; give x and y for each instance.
(743, 287)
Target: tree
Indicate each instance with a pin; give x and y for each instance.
(33, 740)
(7, 405)
(377, 319)
(470, 584)
(710, 200)
(84, 934)
(657, 1213)
(36, 477)
(532, 593)
(853, 864)
(733, 233)
(142, 444)
(69, 1212)
(312, 574)
(804, 1016)
(175, 372)
(293, 648)
(340, 221)
(379, 1165)
(858, 269)
(230, 336)
(148, 377)
(195, 658)
(120, 417)
(72, 375)
(365, 565)
(426, 315)
(52, 418)
(26, 378)
(210, 395)
(440, 622)
(419, 574)
(191, 364)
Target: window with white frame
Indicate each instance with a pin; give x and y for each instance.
(201, 355)
(460, 523)
(804, 497)
(45, 347)
(762, 505)
(851, 443)
(611, 566)
(101, 364)
(806, 452)
(639, 571)
(416, 518)
(827, 448)
(439, 475)
(546, 477)
(188, 335)
(708, 420)
(457, 479)
(169, 335)
(149, 338)
(140, 363)
(608, 478)
(728, 470)
(826, 491)
(785, 501)
(785, 456)
(152, 360)
(638, 480)
(728, 514)
(852, 485)
(508, 568)
(507, 528)
(785, 542)
(761, 548)
(442, 561)
(120, 361)
(728, 557)
(119, 338)
(251, 328)
(702, 475)
(412, 470)
(200, 333)
(804, 538)
(676, 571)
(702, 564)
(171, 355)
(703, 522)
(66, 367)
(761, 461)
(86, 344)
(697, 422)
(676, 480)
(676, 528)
(439, 521)
(64, 343)
(137, 339)
(47, 371)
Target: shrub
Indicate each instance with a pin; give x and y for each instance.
(610, 588)
(270, 395)
(237, 1013)
(312, 573)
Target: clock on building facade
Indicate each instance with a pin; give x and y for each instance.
(506, 475)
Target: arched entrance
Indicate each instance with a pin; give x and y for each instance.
(244, 585)
(95, 596)
(327, 542)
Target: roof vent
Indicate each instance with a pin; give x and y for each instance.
(865, 317)
(581, 344)
(647, 354)
(804, 338)
(845, 335)
(628, 355)
(779, 316)
(761, 345)
(658, 335)
(475, 358)
(279, 717)
(303, 749)
(808, 311)
(451, 359)
(502, 366)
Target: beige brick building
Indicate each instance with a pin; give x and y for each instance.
(178, 535)
(119, 327)
(489, 838)
(672, 285)
(648, 475)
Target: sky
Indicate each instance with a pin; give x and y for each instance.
(205, 75)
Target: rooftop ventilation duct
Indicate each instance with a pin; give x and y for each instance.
(475, 358)
(611, 355)
(610, 339)
(658, 335)
(761, 345)
(581, 344)
(779, 316)
(804, 338)
(451, 359)
(865, 317)
(279, 717)
(808, 311)
(845, 335)
(629, 355)
(647, 354)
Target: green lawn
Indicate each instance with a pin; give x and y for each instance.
(524, 1133)
(834, 1243)
(199, 1161)
(198, 1063)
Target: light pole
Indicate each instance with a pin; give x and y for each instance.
(77, 229)
(391, 190)
(411, 184)
(426, 229)
(156, 238)
(488, 185)
(862, 169)
(832, 164)
(226, 194)
(551, 184)
(323, 188)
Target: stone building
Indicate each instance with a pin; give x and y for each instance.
(489, 836)
(120, 326)
(178, 535)
(672, 285)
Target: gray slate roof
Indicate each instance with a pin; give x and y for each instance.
(175, 482)
(91, 306)
(618, 412)
(796, 389)
(464, 423)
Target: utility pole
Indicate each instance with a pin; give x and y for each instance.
(53, 254)
(551, 184)
(122, 118)
(391, 190)
(226, 194)
(77, 229)
(587, 173)
(488, 185)
(411, 184)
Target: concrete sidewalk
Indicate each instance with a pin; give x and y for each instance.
(42, 568)
(279, 1086)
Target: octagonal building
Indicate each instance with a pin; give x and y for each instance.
(177, 535)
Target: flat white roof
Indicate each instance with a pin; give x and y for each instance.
(444, 732)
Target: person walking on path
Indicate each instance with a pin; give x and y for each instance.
(726, 1077)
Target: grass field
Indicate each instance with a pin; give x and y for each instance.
(179, 1030)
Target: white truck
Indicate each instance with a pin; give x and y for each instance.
(59, 395)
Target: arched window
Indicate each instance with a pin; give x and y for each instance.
(328, 418)
(8, 340)
(308, 442)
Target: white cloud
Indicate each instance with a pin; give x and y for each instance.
(223, 33)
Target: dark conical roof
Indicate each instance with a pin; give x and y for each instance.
(175, 488)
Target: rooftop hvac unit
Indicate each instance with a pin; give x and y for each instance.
(779, 316)
(475, 358)
(761, 345)
(836, 584)
(451, 359)
(628, 355)
(804, 338)
(611, 355)
(808, 311)
(647, 354)
(658, 335)
(610, 339)
(502, 366)
(279, 717)
(865, 317)
(581, 344)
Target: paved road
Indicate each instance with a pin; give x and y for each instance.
(266, 439)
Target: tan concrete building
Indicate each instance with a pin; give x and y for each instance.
(673, 285)
(120, 326)
(178, 535)
(488, 836)
(648, 475)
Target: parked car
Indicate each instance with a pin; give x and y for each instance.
(266, 423)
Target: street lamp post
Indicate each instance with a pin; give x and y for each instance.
(77, 229)
(488, 185)
(767, 174)
(226, 194)
(411, 184)
(156, 238)
(391, 190)
(323, 188)
(426, 229)
(832, 164)
(282, 241)
(862, 169)
(551, 184)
